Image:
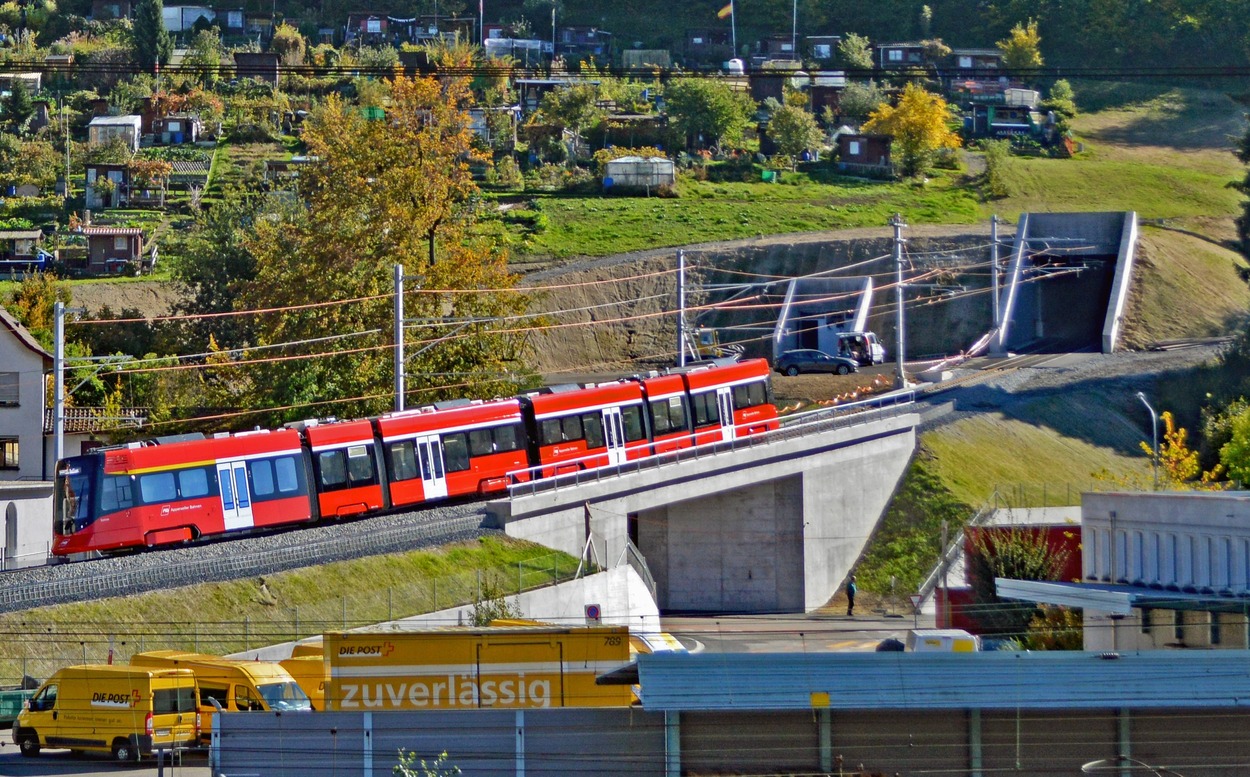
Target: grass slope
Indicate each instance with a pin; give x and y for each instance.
(238, 615)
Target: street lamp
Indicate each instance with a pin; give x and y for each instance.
(1154, 436)
(1127, 765)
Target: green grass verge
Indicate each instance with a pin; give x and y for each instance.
(234, 616)
(594, 225)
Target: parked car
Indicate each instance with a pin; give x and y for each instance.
(810, 360)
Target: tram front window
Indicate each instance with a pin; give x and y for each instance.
(74, 484)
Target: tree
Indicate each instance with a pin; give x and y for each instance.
(855, 51)
(1016, 553)
(18, 107)
(794, 130)
(707, 111)
(204, 55)
(1235, 454)
(1022, 47)
(31, 161)
(861, 99)
(919, 125)
(574, 108)
(152, 44)
(1062, 101)
(288, 44)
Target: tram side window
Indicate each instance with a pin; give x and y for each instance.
(632, 418)
(271, 477)
(592, 428)
(481, 442)
(158, 487)
(456, 452)
(750, 395)
(706, 411)
(668, 415)
(192, 483)
(115, 493)
(332, 470)
(564, 429)
(403, 461)
(507, 438)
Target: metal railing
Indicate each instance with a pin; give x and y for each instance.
(791, 427)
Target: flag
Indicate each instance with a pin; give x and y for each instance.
(726, 11)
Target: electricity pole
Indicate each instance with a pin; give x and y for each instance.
(900, 378)
(994, 266)
(399, 338)
(681, 308)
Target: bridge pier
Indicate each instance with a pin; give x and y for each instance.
(763, 524)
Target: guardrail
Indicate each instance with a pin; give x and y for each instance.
(792, 427)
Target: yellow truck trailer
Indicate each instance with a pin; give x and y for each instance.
(127, 711)
(470, 668)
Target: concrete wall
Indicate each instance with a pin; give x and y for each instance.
(25, 524)
(794, 510)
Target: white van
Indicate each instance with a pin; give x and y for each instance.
(942, 641)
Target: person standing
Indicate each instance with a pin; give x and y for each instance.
(851, 590)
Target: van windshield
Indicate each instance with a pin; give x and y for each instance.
(285, 696)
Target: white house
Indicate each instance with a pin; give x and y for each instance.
(23, 365)
(102, 129)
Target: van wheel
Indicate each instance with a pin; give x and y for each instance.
(28, 743)
(124, 751)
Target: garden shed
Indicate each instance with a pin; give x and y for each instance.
(636, 172)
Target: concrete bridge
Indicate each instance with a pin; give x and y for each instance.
(767, 523)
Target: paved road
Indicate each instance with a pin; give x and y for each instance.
(59, 763)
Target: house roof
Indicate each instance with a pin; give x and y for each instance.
(128, 120)
(23, 334)
(976, 52)
(111, 231)
(1073, 680)
(21, 234)
(80, 420)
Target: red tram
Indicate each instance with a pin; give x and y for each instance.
(161, 492)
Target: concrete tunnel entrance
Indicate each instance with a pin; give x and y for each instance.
(1068, 303)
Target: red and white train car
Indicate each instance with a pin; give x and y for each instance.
(145, 495)
(582, 427)
(345, 467)
(456, 449)
(730, 400)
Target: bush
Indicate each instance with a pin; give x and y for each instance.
(506, 173)
(605, 155)
(251, 133)
(552, 177)
(997, 156)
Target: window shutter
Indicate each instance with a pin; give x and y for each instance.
(8, 389)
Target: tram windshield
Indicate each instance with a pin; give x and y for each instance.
(75, 481)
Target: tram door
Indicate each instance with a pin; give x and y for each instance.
(236, 498)
(725, 404)
(433, 477)
(614, 433)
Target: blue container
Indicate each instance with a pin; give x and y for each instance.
(10, 191)
(175, 138)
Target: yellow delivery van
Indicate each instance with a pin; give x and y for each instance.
(469, 668)
(127, 711)
(310, 672)
(235, 686)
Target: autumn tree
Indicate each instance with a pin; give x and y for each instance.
(288, 44)
(707, 111)
(920, 126)
(861, 98)
(1022, 47)
(383, 193)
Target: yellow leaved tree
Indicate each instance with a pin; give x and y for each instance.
(920, 125)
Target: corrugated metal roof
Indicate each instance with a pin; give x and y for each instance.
(1119, 599)
(21, 234)
(934, 681)
(112, 231)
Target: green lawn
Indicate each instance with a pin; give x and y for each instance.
(596, 225)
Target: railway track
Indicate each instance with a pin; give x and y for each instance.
(247, 556)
